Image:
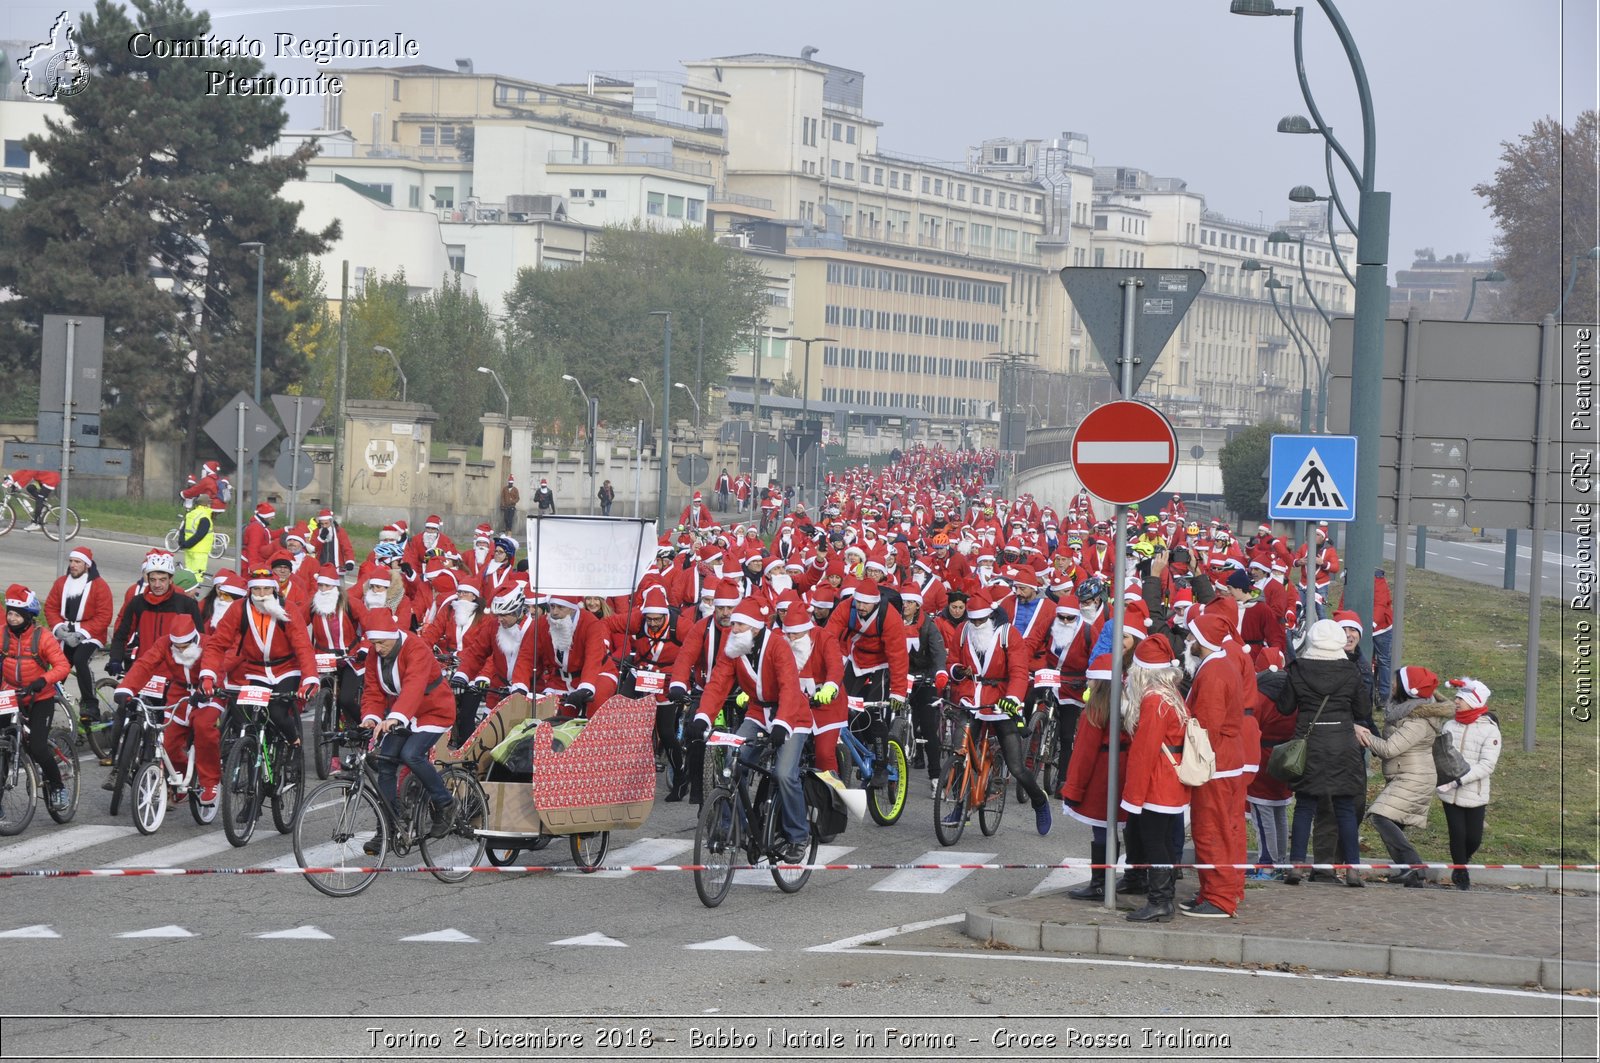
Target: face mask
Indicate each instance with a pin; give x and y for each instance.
(739, 643)
(374, 599)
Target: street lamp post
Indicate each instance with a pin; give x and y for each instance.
(591, 412)
(664, 451)
(507, 398)
(261, 271)
(1365, 540)
(397, 369)
(1494, 276)
(638, 453)
(1591, 255)
(689, 392)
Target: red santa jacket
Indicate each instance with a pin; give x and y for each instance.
(446, 636)
(251, 647)
(585, 665)
(767, 674)
(90, 609)
(332, 546)
(505, 657)
(1260, 629)
(985, 679)
(696, 515)
(418, 546)
(877, 645)
(339, 629)
(1084, 788)
(179, 680)
(1216, 700)
(656, 652)
(408, 687)
(698, 657)
(823, 665)
(258, 543)
(1151, 783)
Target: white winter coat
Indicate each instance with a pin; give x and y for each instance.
(1479, 744)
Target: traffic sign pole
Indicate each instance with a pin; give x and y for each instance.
(238, 510)
(299, 446)
(1130, 296)
(66, 451)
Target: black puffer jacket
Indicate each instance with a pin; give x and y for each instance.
(1333, 759)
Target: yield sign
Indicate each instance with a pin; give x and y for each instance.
(1163, 296)
(1124, 452)
(258, 427)
(298, 410)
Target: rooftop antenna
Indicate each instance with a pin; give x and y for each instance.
(807, 52)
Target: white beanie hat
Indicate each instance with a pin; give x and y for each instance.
(1324, 642)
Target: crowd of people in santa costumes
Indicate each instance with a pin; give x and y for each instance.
(909, 585)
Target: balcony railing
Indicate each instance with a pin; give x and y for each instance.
(656, 160)
(758, 202)
(929, 240)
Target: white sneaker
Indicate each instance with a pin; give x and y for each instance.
(933, 787)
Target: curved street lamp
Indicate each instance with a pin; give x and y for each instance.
(496, 378)
(378, 348)
(648, 397)
(687, 390)
(1591, 255)
(1494, 276)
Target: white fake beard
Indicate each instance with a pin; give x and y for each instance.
(374, 599)
(561, 632)
(981, 634)
(706, 610)
(272, 607)
(430, 540)
(480, 554)
(465, 612)
(509, 639)
(780, 582)
(1088, 616)
(218, 608)
(187, 656)
(802, 648)
(325, 601)
(1061, 631)
(739, 643)
(1190, 661)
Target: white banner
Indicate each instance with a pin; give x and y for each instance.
(603, 556)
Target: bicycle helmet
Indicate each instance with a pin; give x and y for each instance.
(387, 551)
(1092, 589)
(510, 603)
(160, 561)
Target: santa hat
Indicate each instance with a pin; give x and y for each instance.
(389, 533)
(265, 511)
(797, 620)
(374, 574)
(1025, 577)
(211, 468)
(654, 601)
(297, 535)
(979, 604)
(1347, 618)
(182, 632)
(542, 481)
(911, 593)
(1067, 605)
(21, 599)
(261, 580)
(81, 553)
(279, 557)
(1182, 602)
(324, 514)
(823, 596)
(697, 497)
(1099, 668)
(444, 582)
(1210, 631)
(1271, 659)
(1154, 653)
(1136, 619)
(1418, 682)
(513, 479)
(752, 611)
(867, 592)
(229, 582)
(1471, 691)
(769, 566)
(466, 584)
(570, 601)
(483, 533)
(328, 576)
(382, 625)
(433, 523)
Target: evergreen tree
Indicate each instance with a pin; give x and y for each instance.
(146, 191)
(1244, 464)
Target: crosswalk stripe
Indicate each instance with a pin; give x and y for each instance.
(930, 880)
(53, 844)
(826, 854)
(642, 853)
(179, 853)
(1062, 878)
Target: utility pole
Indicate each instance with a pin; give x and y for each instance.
(338, 408)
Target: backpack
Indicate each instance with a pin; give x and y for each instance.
(225, 490)
(1199, 761)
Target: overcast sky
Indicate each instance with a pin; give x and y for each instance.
(1177, 87)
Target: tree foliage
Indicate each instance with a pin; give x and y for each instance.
(145, 193)
(594, 322)
(1244, 462)
(1544, 198)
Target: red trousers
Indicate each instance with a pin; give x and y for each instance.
(200, 727)
(822, 750)
(1216, 823)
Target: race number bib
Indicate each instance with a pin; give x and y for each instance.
(650, 682)
(855, 704)
(1047, 677)
(8, 702)
(255, 696)
(327, 662)
(155, 689)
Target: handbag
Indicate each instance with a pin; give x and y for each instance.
(1288, 761)
(1448, 763)
(1199, 763)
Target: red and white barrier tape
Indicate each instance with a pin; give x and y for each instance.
(177, 872)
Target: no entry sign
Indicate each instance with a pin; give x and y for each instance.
(1124, 452)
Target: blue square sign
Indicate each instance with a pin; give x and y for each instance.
(1312, 478)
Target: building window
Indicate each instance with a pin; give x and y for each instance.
(674, 206)
(849, 134)
(414, 197)
(597, 193)
(849, 171)
(1002, 154)
(938, 186)
(926, 182)
(833, 168)
(961, 193)
(574, 193)
(396, 89)
(894, 179)
(444, 196)
(877, 175)
(17, 157)
(426, 135)
(394, 131)
(458, 257)
(696, 210)
(447, 134)
(655, 204)
(838, 133)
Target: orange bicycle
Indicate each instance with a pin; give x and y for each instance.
(974, 777)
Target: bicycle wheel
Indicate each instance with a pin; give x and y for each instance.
(847, 766)
(949, 807)
(716, 847)
(337, 821)
(886, 803)
(171, 541)
(127, 759)
(994, 799)
(790, 879)
(19, 792)
(290, 769)
(501, 857)
(589, 850)
(326, 748)
(1033, 747)
(203, 814)
(241, 792)
(462, 847)
(1048, 773)
(52, 523)
(8, 516)
(219, 545)
(900, 730)
(66, 757)
(149, 797)
(97, 719)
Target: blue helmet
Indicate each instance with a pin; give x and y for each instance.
(387, 551)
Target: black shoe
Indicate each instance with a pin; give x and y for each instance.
(444, 818)
(1413, 880)
(1190, 903)
(1291, 877)
(1153, 913)
(677, 791)
(1324, 876)
(1093, 890)
(1353, 877)
(374, 845)
(920, 760)
(1461, 879)
(1133, 883)
(789, 853)
(110, 783)
(1207, 910)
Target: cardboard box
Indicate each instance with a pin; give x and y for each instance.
(511, 809)
(493, 730)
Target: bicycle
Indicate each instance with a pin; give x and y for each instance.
(732, 820)
(886, 802)
(262, 758)
(973, 776)
(95, 727)
(19, 777)
(326, 750)
(219, 539)
(17, 504)
(346, 815)
(156, 775)
(1042, 753)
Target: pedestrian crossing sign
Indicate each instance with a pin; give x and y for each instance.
(1312, 478)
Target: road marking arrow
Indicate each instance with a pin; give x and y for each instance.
(595, 939)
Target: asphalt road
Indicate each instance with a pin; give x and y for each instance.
(1484, 563)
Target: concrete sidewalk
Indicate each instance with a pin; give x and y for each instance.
(1493, 934)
